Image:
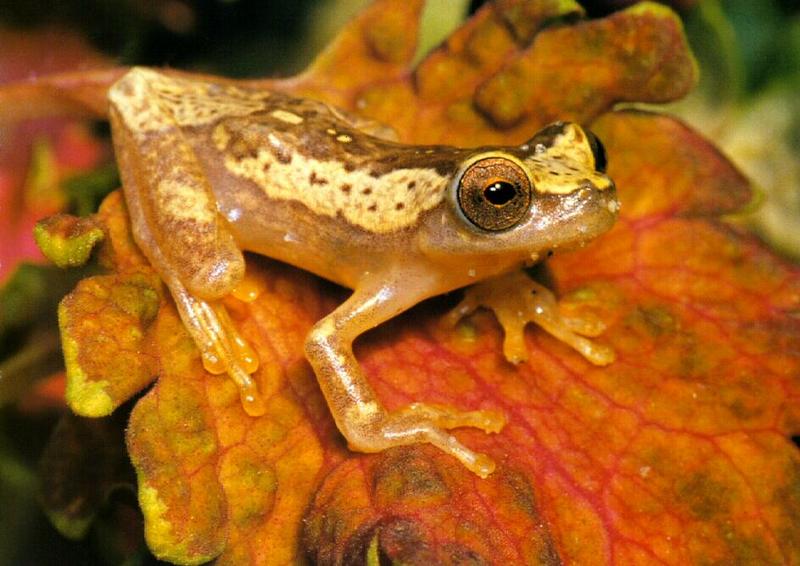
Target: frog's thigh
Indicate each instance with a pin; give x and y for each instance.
(358, 413)
(171, 204)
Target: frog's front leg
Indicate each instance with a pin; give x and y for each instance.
(516, 300)
(175, 221)
(360, 416)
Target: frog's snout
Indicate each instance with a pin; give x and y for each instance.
(596, 208)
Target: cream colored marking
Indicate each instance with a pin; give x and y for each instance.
(150, 101)
(561, 168)
(220, 137)
(181, 201)
(331, 131)
(344, 138)
(375, 212)
(288, 117)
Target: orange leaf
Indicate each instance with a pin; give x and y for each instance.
(504, 75)
(679, 452)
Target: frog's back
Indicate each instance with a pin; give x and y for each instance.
(299, 182)
(296, 179)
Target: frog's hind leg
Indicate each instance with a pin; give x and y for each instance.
(165, 185)
(362, 419)
(176, 224)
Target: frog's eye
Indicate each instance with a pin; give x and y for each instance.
(494, 193)
(598, 151)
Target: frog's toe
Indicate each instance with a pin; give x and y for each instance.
(585, 325)
(598, 354)
(486, 420)
(515, 350)
(423, 423)
(516, 300)
(466, 307)
(222, 348)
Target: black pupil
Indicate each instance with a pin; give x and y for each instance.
(499, 193)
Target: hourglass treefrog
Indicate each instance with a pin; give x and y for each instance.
(214, 168)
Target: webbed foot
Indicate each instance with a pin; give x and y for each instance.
(223, 349)
(516, 300)
(420, 422)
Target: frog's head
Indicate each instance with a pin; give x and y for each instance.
(520, 202)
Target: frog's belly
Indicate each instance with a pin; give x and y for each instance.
(287, 231)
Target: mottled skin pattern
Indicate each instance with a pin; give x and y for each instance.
(210, 169)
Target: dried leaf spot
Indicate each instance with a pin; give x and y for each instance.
(388, 38)
(247, 480)
(67, 240)
(103, 323)
(655, 321)
(405, 543)
(704, 496)
(503, 99)
(409, 475)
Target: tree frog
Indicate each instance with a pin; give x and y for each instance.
(212, 168)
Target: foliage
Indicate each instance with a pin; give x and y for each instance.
(679, 452)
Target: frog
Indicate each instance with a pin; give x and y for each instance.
(211, 169)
